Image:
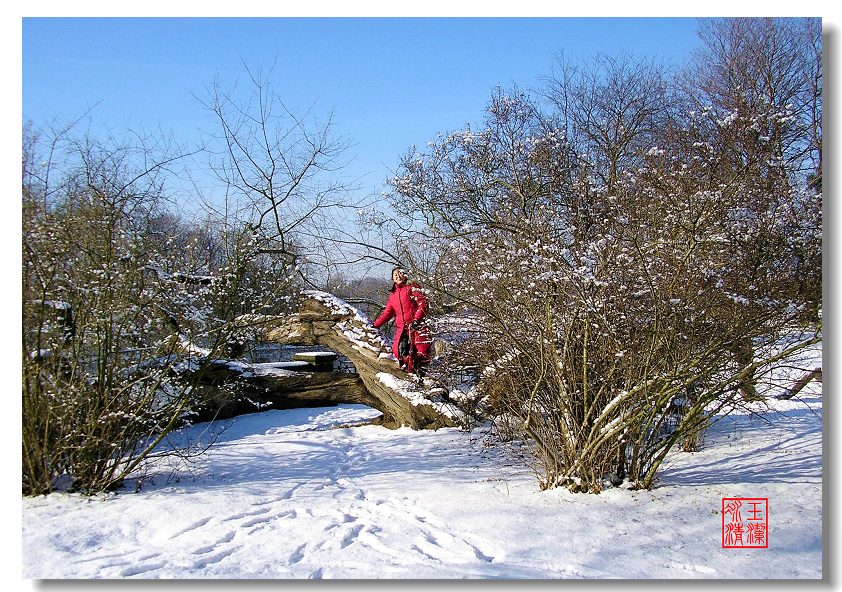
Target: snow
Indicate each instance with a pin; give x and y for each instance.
(410, 391)
(304, 494)
(338, 306)
(358, 328)
(284, 369)
(192, 348)
(280, 369)
(60, 305)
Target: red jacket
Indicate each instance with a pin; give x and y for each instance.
(406, 303)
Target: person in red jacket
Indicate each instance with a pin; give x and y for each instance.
(408, 306)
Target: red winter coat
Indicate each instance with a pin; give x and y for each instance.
(407, 303)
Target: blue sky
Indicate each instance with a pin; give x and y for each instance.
(390, 82)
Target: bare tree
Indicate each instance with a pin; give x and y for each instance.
(612, 106)
(282, 167)
(769, 72)
(755, 91)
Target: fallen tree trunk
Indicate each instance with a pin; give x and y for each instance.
(326, 320)
(323, 320)
(228, 389)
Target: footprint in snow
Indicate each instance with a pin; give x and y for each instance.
(204, 562)
(191, 527)
(298, 554)
(351, 536)
(137, 570)
(227, 538)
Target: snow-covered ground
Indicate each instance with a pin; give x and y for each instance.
(296, 494)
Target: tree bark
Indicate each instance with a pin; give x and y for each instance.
(229, 389)
(801, 383)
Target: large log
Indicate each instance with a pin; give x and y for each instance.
(233, 388)
(328, 321)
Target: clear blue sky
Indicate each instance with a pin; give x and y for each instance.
(390, 83)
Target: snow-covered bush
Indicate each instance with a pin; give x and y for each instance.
(95, 311)
(624, 275)
(121, 301)
(125, 302)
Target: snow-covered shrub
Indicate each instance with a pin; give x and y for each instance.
(94, 313)
(122, 302)
(146, 297)
(618, 298)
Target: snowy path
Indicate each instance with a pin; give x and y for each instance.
(287, 494)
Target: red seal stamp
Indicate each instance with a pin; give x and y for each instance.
(745, 522)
